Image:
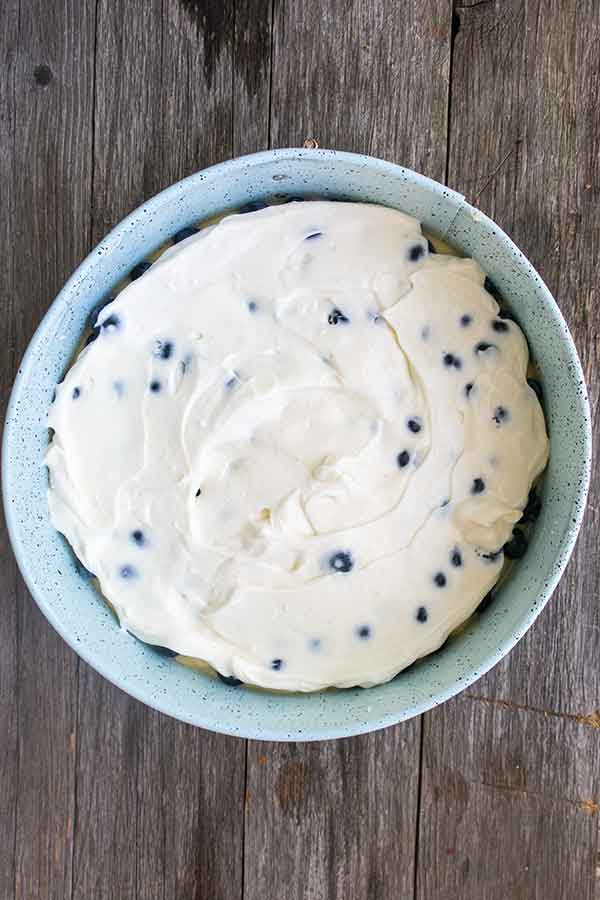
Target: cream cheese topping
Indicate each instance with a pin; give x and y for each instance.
(297, 445)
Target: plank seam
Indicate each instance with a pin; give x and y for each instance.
(233, 58)
(18, 728)
(17, 616)
(588, 720)
(269, 134)
(418, 816)
(244, 805)
(590, 807)
(454, 29)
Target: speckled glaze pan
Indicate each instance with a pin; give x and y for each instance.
(69, 600)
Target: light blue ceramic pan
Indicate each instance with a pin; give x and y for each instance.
(70, 602)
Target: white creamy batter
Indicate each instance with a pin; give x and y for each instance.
(297, 446)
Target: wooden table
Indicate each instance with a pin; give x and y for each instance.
(494, 795)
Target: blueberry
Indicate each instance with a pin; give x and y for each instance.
(111, 322)
(252, 206)
(138, 537)
(439, 579)
(533, 507)
(363, 632)
(184, 233)
(452, 361)
(414, 425)
(231, 680)
(516, 547)
(421, 615)
(491, 288)
(500, 415)
(466, 320)
(482, 346)
(313, 234)
(252, 306)
(500, 326)
(506, 314)
(430, 246)
(139, 270)
(162, 349)
(76, 393)
(341, 561)
(276, 664)
(491, 555)
(128, 571)
(536, 386)
(468, 388)
(95, 312)
(416, 252)
(456, 558)
(336, 316)
(82, 571)
(478, 486)
(92, 336)
(155, 386)
(157, 648)
(403, 458)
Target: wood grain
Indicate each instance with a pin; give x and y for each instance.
(509, 804)
(251, 75)
(48, 126)
(9, 773)
(510, 787)
(159, 804)
(364, 76)
(194, 95)
(333, 819)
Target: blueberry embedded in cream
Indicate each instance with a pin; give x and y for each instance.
(140, 269)
(456, 557)
(184, 233)
(263, 480)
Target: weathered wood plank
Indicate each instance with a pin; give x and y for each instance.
(510, 794)
(8, 569)
(251, 75)
(509, 804)
(48, 221)
(333, 819)
(369, 77)
(191, 811)
(338, 819)
(160, 804)
(127, 154)
(194, 91)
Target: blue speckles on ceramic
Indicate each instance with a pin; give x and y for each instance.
(67, 595)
